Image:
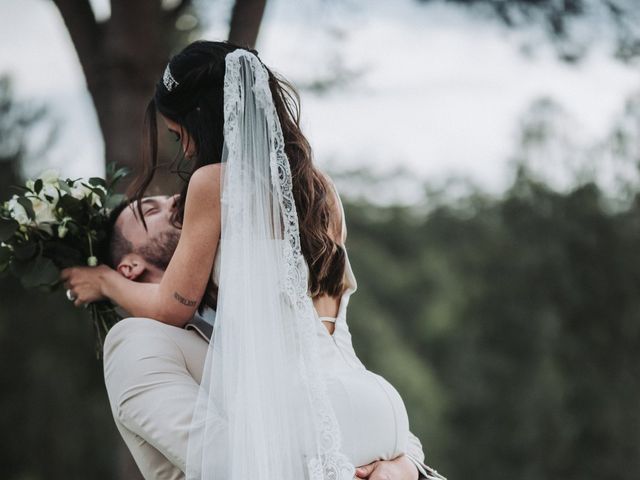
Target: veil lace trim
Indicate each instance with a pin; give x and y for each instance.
(329, 463)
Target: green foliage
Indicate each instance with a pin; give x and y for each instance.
(8, 228)
(518, 322)
(567, 21)
(54, 411)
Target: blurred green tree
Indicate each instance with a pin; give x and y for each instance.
(511, 324)
(572, 25)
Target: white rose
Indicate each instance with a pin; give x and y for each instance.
(18, 213)
(50, 177)
(44, 210)
(30, 184)
(51, 191)
(80, 191)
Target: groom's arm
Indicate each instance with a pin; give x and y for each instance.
(151, 374)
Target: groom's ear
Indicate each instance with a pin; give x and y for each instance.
(132, 266)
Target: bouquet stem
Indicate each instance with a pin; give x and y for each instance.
(104, 317)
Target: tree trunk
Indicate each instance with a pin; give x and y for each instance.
(245, 22)
(122, 59)
(134, 53)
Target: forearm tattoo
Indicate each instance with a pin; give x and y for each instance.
(184, 301)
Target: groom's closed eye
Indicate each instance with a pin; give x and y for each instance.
(149, 206)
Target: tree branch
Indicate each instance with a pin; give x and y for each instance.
(245, 22)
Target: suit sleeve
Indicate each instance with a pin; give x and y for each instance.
(150, 389)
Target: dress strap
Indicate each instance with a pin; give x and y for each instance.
(328, 319)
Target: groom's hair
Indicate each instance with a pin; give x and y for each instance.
(117, 245)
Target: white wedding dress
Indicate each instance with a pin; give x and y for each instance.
(371, 414)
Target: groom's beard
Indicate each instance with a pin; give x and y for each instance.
(159, 250)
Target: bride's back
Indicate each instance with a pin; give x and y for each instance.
(326, 305)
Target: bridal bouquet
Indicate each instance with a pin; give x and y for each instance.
(55, 223)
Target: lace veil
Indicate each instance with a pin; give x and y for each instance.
(262, 411)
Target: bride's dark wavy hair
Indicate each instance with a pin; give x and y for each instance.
(196, 104)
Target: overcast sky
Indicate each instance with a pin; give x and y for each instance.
(441, 92)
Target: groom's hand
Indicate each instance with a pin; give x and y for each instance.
(400, 468)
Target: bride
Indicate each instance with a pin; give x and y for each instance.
(283, 395)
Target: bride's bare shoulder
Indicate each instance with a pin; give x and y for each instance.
(207, 176)
(206, 172)
(204, 186)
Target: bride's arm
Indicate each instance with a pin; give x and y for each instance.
(175, 299)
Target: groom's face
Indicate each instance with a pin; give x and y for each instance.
(157, 211)
(141, 252)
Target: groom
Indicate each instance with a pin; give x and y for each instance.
(153, 370)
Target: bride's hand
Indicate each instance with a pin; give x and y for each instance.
(400, 468)
(84, 284)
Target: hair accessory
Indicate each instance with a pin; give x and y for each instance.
(169, 82)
